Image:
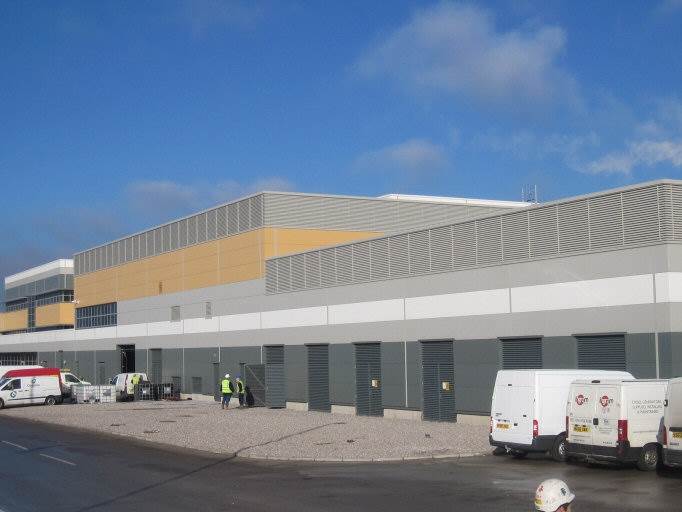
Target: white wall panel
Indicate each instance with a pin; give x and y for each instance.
(164, 328)
(243, 322)
(486, 302)
(194, 325)
(669, 287)
(300, 317)
(131, 330)
(615, 291)
(373, 311)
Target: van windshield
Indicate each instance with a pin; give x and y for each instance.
(3, 381)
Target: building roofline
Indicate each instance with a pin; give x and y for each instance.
(52, 265)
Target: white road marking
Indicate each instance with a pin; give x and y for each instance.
(16, 446)
(57, 459)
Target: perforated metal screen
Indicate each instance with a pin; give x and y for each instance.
(602, 352)
(318, 378)
(438, 381)
(368, 395)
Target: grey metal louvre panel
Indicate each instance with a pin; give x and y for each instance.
(606, 221)
(297, 272)
(136, 247)
(233, 219)
(221, 222)
(464, 245)
(275, 382)
(98, 259)
(519, 354)
(380, 260)
(344, 264)
(312, 269)
(419, 252)
(271, 276)
(665, 209)
(368, 398)
(174, 238)
(676, 197)
(399, 256)
(489, 241)
(602, 352)
(328, 267)
(438, 404)
(359, 215)
(244, 215)
(410, 215)
(182, 233)
(544, 235)
(192, 230)
(256, 211)
(318, 378)
(129, 249)
(201, 228)
(386, 217)
(291, 210)
(143, 247)
(158, 241)
(640, 215)
(284, 274)
(441, 249)
(515, 241)
(573, 229)
(211, 225)
(361, 262)
(166, 237)
(114, 254)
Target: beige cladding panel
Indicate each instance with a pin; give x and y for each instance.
(14, 320)
(61, 313)
(228, 260)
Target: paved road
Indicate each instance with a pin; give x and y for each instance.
(49, 468)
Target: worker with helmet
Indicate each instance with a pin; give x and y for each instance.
(226, 388)
(240, 390)
(553, 495)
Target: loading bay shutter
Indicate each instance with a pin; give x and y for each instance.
(438, 378)
(275, 390)
(318, 378)
(602, 352)
(368, 399)
(156, 368)
(522, 353)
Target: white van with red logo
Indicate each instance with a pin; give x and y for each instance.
(616, 421)
(31, 386)
(528, 410)
(672, 424)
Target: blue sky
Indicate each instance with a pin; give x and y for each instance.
(120, 115)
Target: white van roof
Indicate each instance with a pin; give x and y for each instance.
(618, 381)
(568, 371)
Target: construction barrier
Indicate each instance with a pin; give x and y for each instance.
(89, 394)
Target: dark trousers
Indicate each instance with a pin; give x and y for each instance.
(241, 399)
(226, 399)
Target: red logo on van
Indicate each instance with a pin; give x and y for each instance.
(604, 401)
(580, 399)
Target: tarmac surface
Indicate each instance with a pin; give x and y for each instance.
(46, 467)
(261, 433)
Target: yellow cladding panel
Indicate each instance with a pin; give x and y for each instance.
(61, 313)
(14, 320)
(228, 260)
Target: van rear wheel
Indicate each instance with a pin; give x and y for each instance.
(50, 400)
(649, 458)
(558, 451)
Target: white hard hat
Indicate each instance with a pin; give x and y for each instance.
(551, 494)
(227, 375)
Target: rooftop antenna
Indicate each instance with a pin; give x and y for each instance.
(529, 194)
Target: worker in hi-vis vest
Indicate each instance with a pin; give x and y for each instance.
(226, 388)
(240, 391)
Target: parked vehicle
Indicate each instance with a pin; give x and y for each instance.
(30, 386)
(672, 424)
(5, 369)
(124, 385)
(69, 380)
(616, 421)
(528, 411)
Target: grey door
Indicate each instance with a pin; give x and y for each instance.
(368, 399)
(602, 352)
(156, 366)
(254, 384)
(275, 389)
(438, 378)
(217, 379)
(318, 378)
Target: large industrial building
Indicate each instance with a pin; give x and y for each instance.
(400, 305)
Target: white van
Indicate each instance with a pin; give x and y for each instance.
(30, 386)
(616, 421)
(124, 385)
(528, 411)
(672, 424)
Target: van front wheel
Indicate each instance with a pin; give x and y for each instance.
(649, 458)
(558, 451)
(50, 400)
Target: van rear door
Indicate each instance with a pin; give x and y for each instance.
(606, 414)
(581, 413)
(512, 411)
(673, 415)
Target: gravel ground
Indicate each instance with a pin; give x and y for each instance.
(268, 433)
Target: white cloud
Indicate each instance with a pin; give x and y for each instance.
(458, 49)
(413, 156)
(645, 153)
